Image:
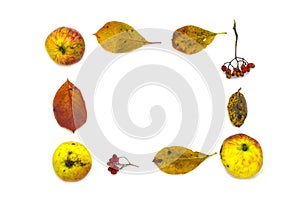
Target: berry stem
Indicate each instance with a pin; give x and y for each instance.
(128, 164)
(236, 38)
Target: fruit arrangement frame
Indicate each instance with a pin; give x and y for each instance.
(240, 154)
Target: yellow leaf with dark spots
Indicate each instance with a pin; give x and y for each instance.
(178, 159)
(192, 39)
(119, 37)
(237, 108)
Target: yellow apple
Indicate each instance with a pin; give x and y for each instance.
(71, 161)
(241, 155)
(65, 46)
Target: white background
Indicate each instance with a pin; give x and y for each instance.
(268, 33)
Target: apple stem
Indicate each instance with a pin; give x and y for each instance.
(62, 50)
(245, 147)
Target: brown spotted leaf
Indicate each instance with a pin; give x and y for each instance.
(192, 39)
(69, 107)
(178, 159)
(237, 108)
(119, 37)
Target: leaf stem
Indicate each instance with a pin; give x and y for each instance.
(153, 43)
(212, 154)
(221, 33)
(236, 38)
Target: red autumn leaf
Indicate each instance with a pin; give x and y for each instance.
(69, 107)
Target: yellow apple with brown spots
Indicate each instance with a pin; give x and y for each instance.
(241, 155)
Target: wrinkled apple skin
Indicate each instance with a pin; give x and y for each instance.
(71, 161)
(241, 155)
(65, 46)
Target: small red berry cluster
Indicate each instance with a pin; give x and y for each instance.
(114, 165)
(236, 67)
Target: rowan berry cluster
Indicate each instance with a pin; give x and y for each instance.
(236, 67)
(114, 165)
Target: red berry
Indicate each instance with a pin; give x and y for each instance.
(234, 72)
(243, 68)
(114, 171)
(228, 71)
(114, 158)
(228, 76)
(234, 69)
(251, 65)
(248, 68)
(224, 68)
(110, 164)
(115, 167)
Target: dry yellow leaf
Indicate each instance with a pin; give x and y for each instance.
(192, 39)
(178, 159)
(119, 37)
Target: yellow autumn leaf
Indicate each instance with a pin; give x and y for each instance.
(119, 37)
(192, 39)
(178, 159)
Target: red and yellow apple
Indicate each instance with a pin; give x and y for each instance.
(65, 46)
(241, 155)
